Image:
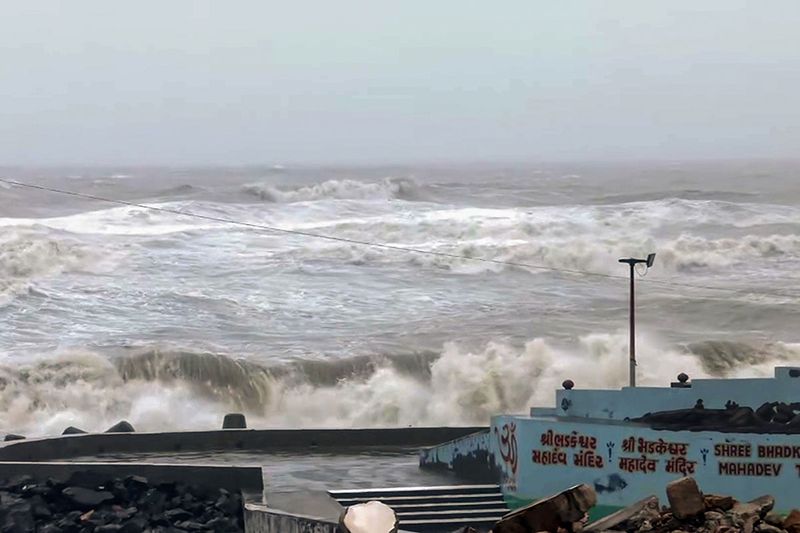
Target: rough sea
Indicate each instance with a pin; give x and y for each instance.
(111, 312)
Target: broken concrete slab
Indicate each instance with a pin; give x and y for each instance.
(622, 516)
(558, 511)
(685, 498)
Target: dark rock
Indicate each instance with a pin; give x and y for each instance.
(177, 515)
(108, 528)
(153, 501)
(234, 421)
(222, 525)
(72, 430)
(134, 526)
(40, 508)
(121, 427)
(13, 436)
(86, 498)
(50, 528)
(189, 525)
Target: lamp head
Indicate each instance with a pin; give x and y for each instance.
(651, 258)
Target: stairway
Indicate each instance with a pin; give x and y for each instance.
(435, 509)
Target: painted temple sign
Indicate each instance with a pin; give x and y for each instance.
(640, 456)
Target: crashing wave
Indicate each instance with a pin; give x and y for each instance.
(386, 189)
(162, 388)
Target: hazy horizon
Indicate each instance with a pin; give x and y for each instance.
(259, 83)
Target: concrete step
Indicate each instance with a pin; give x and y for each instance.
(394, 500)
(435, 509)
(418, 491)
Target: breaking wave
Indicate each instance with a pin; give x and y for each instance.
(159, 389)
(386, 189)
(27, 255)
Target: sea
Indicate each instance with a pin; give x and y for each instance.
(172, 317)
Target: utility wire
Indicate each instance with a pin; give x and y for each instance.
(274, 229)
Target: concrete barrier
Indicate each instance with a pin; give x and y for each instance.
(259, 518)
(94, 444)
(232, 478)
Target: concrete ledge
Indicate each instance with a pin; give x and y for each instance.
(213, 476)
(259, 518)
(94, 444)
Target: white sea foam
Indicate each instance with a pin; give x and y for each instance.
(158, 390)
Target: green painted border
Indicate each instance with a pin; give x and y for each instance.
(595, 513)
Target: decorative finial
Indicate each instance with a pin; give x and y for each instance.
(683, 377)
(568, 384)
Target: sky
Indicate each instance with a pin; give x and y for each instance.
(187, 82)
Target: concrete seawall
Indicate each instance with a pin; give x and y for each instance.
(93, 444)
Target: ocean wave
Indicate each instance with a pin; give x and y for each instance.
(28, 255)
(386, 189)
(167, 388)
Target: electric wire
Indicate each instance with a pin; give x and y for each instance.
(385, 246)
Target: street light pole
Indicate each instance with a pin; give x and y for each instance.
(632, 262)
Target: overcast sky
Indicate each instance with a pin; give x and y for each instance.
(241, 82)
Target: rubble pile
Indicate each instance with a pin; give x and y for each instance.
(689, 511)
(130, 505)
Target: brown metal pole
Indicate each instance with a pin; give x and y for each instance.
(633, 335)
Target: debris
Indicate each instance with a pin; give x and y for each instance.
(690, 512)
(560, 511)
(685, 498)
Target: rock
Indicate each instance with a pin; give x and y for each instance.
(234, 421)
(50, 528)
(13, 436)
(560, 510)
(134, 526)
(624, 515)
(713, 516)
(755, 508)
(177, 515)
(792, 522)
(189, 525)
(72, 430)
(763, 527)
(86, 498)
(108, 528)
(121, 427)
(774, 519)
(685, 498)
(714, 501)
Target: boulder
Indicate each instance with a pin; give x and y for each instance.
(757, 508)
(774, 519)
(763, 527)
(685, 498)
(715, 501)
(559, 511)
(72, 430)
(370, 517)
(792, 522)
(12, 436)
(86, 498)
(234, 421)
(121, 427)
